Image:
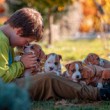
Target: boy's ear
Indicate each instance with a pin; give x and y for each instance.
(18, 31)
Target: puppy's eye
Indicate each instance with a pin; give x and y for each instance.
(32, 47)
(39, 49)
(56, 63)
(24, 47)
(38, 60)
(73, 70)
(28, 44)
(98, 58)
(80, 69)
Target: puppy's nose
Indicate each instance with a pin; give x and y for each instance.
(24, 47)
(77, 76)
(38, 60)
(51, 68)
(27, 44)
(32, 47)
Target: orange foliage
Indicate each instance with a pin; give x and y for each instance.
(3, 19)
(86, 24)
(89, 8)
(90, 20)
(2, 1)
(89, 11)
(60, 8)
(101, 2)
(84, 28)
(2, 9)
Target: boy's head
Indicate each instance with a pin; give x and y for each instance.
(29, 21)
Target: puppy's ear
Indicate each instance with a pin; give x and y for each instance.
(42, 56)
(60, 57)
(67, 66)
(46, 56)
(87, 60)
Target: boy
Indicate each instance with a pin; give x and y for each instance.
(24, 26)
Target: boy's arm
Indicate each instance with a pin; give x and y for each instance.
(12, 71)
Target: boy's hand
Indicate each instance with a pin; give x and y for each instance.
(29, 60)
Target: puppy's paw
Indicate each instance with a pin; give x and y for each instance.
(83, 82)
(17, 58)
(99, 85)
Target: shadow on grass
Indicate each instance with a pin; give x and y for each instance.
(70, 105)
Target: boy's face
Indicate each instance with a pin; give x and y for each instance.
(17, 40)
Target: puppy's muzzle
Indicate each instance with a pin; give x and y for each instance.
(101, 62)
(51, 68)
(77, 77)
(38, 60)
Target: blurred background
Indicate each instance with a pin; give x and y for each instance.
(73, 28)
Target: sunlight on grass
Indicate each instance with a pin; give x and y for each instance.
(77, 50)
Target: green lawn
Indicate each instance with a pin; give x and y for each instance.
(75, 50)
(51, 105)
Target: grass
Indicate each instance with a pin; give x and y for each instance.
(78, 50)
(51, 105)
(75, 50)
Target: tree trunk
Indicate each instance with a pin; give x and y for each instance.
(50, 21)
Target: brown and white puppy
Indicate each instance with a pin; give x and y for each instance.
(53, 64)
(74, 70)
(94, 59)
(35, 49)
(40, 58)
(91, 74)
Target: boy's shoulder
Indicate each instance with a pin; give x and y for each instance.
(3, 37)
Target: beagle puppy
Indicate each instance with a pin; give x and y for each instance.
(53, 63)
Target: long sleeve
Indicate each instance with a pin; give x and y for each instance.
(9, 70)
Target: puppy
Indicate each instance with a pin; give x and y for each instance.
(40, 58)
(90, 74)
(74, 70)
(52, 63)
(94, 59)
(106, 78)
